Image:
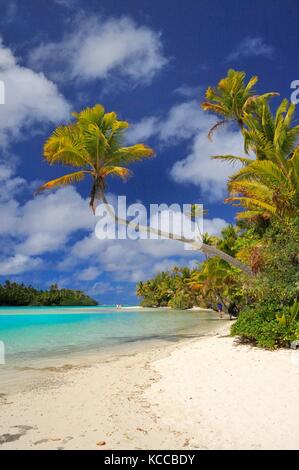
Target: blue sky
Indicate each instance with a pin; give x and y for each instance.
(150, 61)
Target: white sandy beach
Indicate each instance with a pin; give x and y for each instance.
(207, 393)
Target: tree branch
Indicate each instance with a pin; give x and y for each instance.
(209, 250)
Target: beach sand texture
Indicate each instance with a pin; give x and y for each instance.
(207, 393)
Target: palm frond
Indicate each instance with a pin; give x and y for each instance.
(251, 189)
(252, 82)
(64, 180)
(90, 115)
(247, 214)
(264, 171)
(132, 154)
(216, 126)
(251, 203)
(233, 159)
(64, 146)
(120, 171)
(214, 108)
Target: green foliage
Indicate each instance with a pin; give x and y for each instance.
(267, 188)
(170, 288)
(277, 280)
(181, 301)
(271, 320)
(233, 98)
(15, 294)
(290, 315)
(268, 301)
(261, 327)
(269, 184)
(227, 242)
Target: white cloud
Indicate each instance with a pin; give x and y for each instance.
(101, 287)
(134, 260)
(18, 264)
(30, 98)
(214, 226)
(89, 274)
(188, 91)
(48, 220)
(40, 225)
(181, 122)
(210, 175)
(188, 121)
(127, 260)
(143, 130)
(10, 185)
(97, 47)
(8, 217)
(251, 47)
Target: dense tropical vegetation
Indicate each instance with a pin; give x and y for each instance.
(212, 281)
(14, 294)
(265, 188)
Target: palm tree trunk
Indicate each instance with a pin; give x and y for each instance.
(208, 250)
(93, 196)
(211, 250)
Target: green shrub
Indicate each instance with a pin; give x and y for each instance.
(180, 301)
(148, 302)
(263, 329)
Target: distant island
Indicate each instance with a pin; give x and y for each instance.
(14, 294)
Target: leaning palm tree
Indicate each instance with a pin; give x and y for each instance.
(92, 143)
(232, 98)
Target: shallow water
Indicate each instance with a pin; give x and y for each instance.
(36, 338)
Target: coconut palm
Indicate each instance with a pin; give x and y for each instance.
(232, 98)
(267, 136)
(269, 184)
(228, 239)
(92, 143)
(214, 278)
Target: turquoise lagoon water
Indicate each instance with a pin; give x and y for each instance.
(35, 335)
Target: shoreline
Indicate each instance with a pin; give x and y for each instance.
(62, 310)
(173, 396)
(69, 310)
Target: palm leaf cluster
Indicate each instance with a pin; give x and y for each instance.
(267, 184)
(214, 279)
(93, 143)
(232, 98)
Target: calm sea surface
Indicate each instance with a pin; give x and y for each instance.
(43, 336)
